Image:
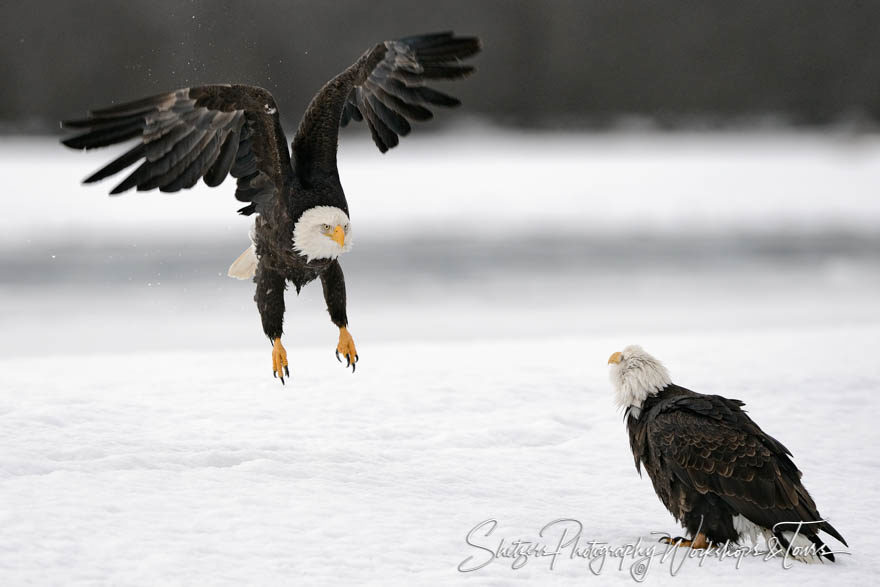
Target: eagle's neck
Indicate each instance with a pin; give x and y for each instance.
(634, 389)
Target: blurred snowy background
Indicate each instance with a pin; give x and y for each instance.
(477, 232)
(502, 252)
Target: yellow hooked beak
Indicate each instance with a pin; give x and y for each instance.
(338, 235)
(615, 358)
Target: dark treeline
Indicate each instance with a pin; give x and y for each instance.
(556, 63)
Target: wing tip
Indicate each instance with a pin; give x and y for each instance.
(444, 47)
(833, 532)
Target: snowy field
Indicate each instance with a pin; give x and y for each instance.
(143, 440)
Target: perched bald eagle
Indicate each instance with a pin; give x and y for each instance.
(715, 470)
(302, 224)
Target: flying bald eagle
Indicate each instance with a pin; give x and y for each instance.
(715, 470)
(302, 224)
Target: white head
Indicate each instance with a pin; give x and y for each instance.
(635, 375)
(322, 232)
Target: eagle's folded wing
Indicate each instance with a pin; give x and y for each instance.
(710, 445)
(204, 132)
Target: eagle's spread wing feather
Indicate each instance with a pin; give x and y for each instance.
(386, 87)
(711, 445)
(205, 132)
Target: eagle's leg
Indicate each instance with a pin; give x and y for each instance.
(270, 303)
(699, 541)
(333, 282)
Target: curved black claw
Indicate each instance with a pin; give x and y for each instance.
(670, 540)
(349, 362)
(286, 371)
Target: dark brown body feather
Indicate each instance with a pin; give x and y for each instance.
(708, 462)
(210, 132)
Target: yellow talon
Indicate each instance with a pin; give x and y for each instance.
(279, 360)
(346, 349)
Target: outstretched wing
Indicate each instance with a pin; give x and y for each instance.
(204, 132)
(711, 445)
(386, 87)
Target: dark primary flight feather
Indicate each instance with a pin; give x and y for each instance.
(205, 132)
(386, 87)
(209, 132)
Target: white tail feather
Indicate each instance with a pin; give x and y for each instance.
(245, 266)
(802, 548)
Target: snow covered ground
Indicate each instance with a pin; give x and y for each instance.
(143, 440)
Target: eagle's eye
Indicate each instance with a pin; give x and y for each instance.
(269, 109)
(345, 228)
(325, 227)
